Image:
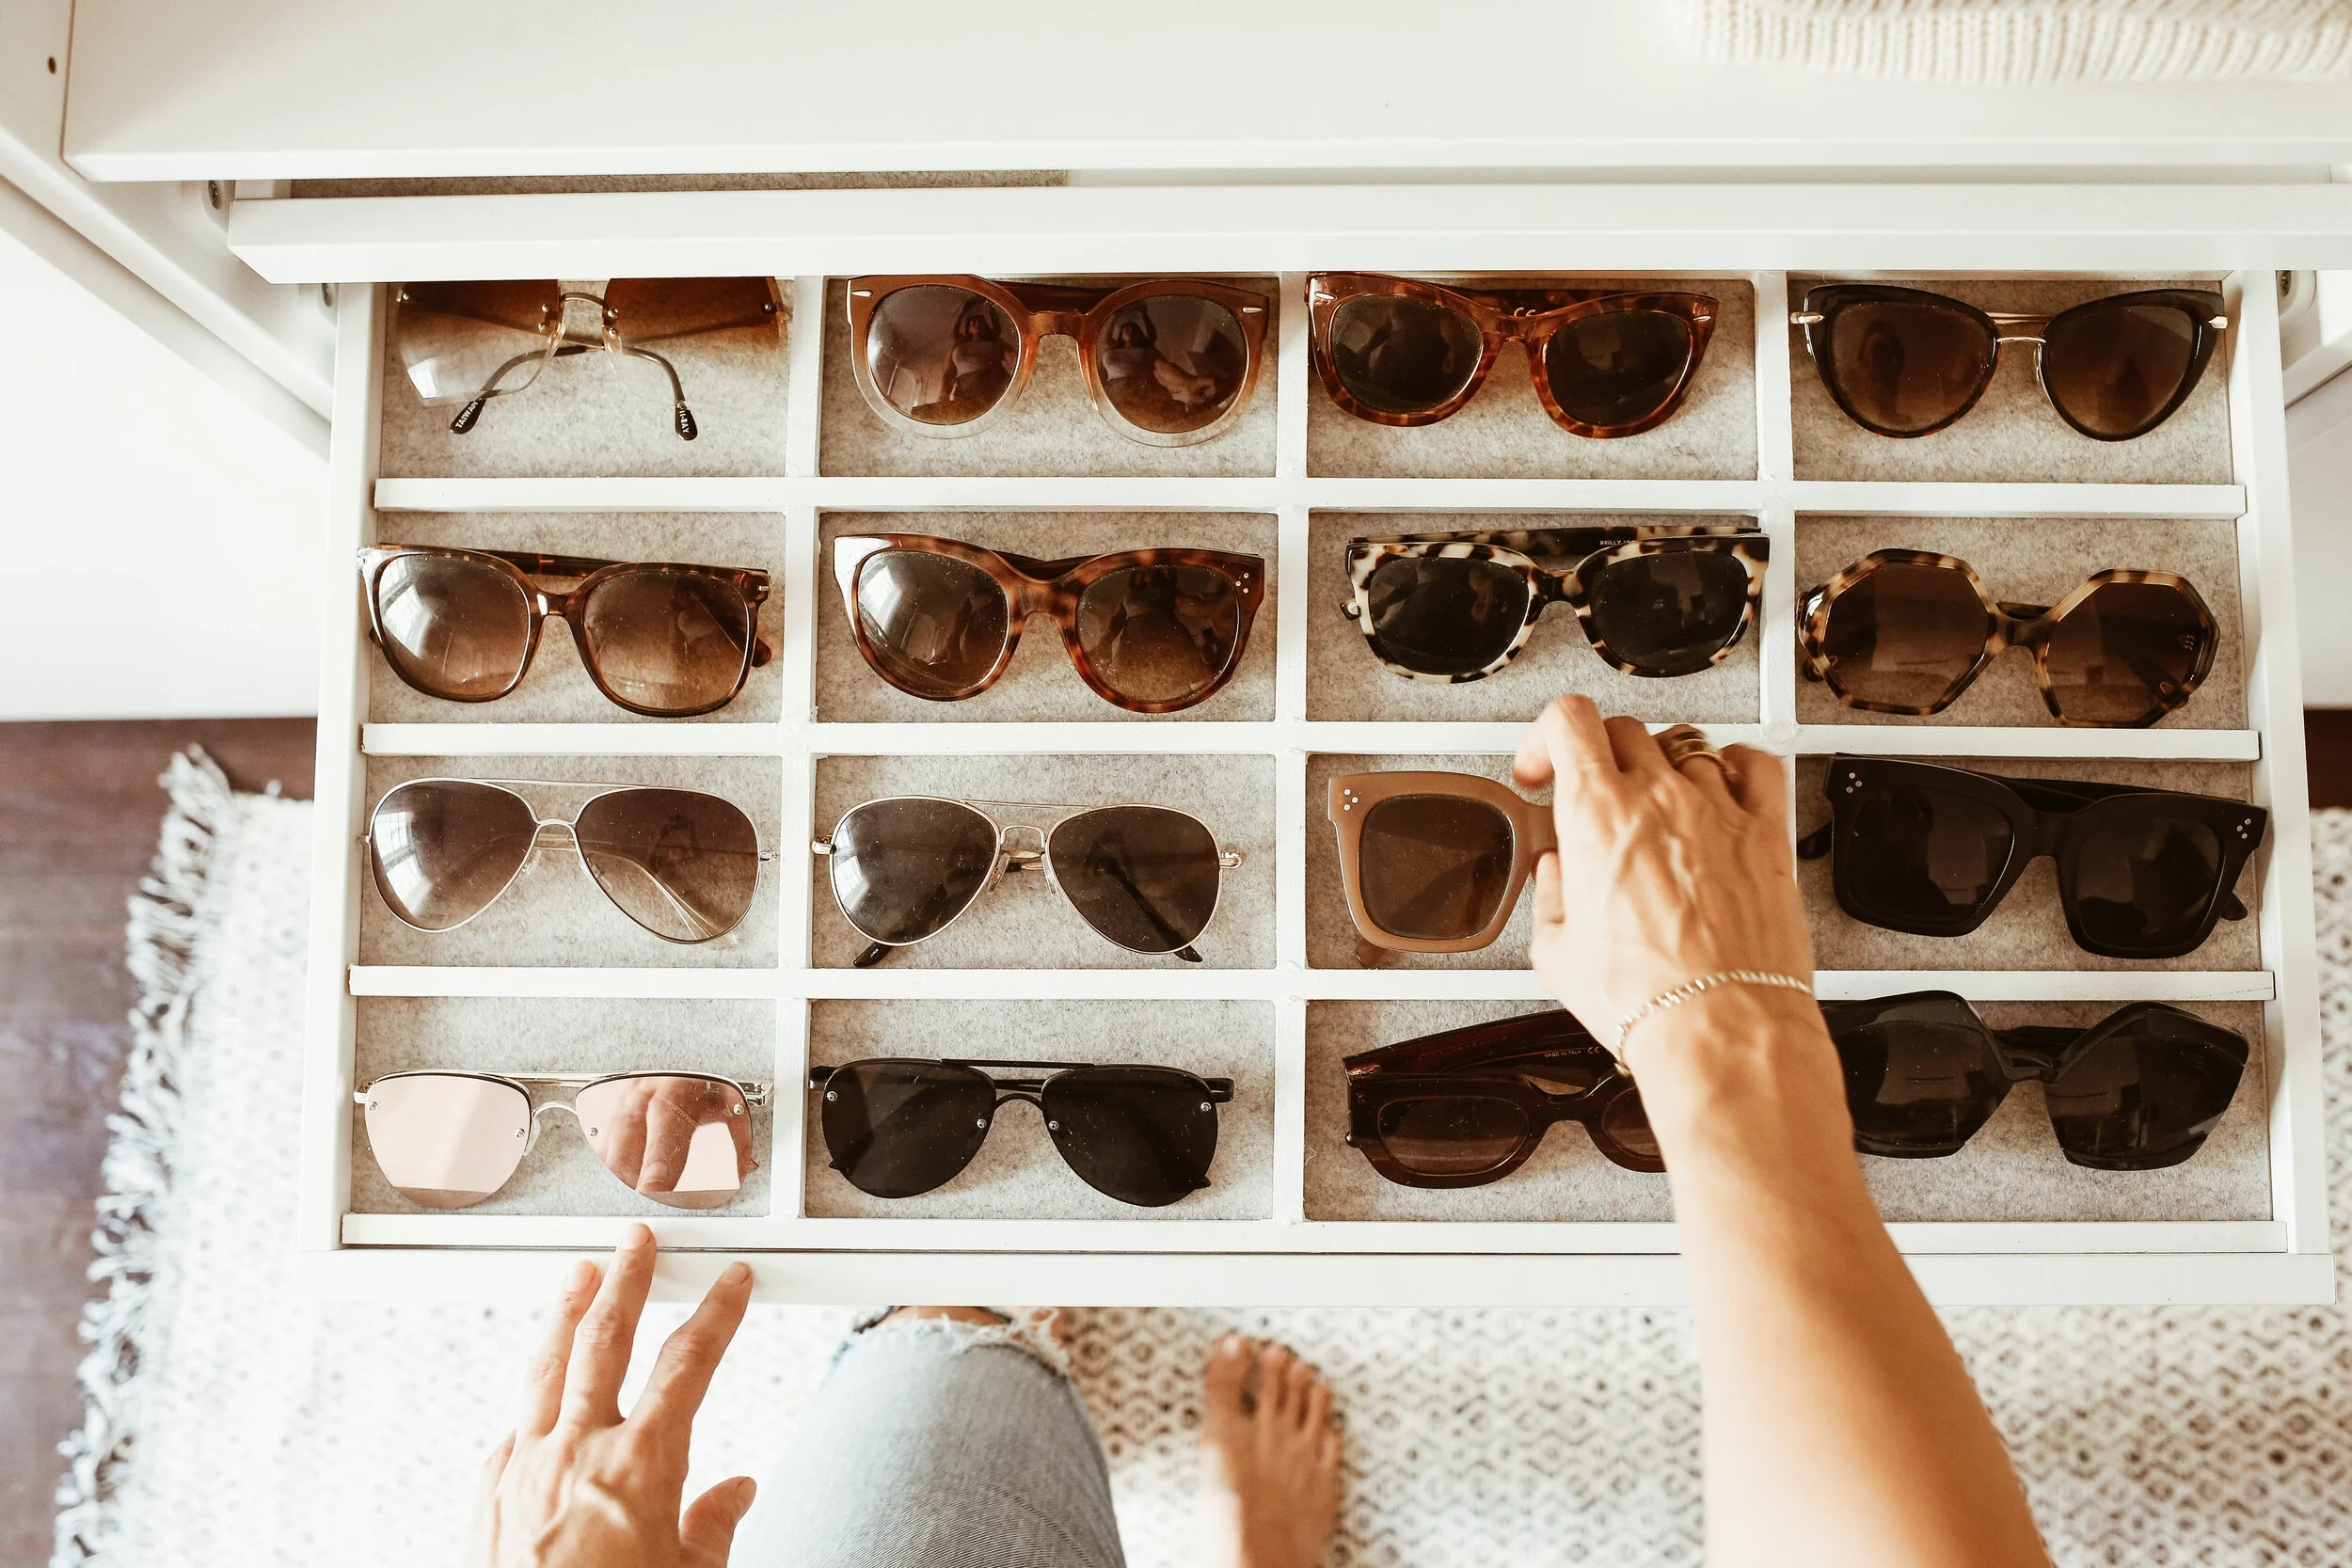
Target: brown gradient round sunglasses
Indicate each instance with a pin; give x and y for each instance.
(1907, 631)
(1167, 362)
(1151, 631)
(1399, 352)
(662, 638)
(1434, 862)
(1905, 363)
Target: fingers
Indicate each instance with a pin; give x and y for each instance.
(1763, 790)
(681, 1374)
(1636, 751)
(1709, 776)
(668, 1133)
(1549, 907)
(1565, 745)
(592, 1381)
(707, 1534)
(543, 1384)
(482, 1531)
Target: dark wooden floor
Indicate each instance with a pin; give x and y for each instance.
(78, 811)
(79, 807)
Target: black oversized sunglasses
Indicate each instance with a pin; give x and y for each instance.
(896, 1127)
(1929, 850)
(2140, 1090)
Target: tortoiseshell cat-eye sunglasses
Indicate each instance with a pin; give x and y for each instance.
(1607, 363)
(1459, 607)
(1167, 361)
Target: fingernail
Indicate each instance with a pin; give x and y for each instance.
(735, 1273)
(640, 1234)
(1232, 1344)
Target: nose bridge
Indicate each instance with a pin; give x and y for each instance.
(1056, 323)
(539, 1111)
(1023, 844)
(558, 824)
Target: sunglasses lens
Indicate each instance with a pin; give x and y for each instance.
(1926, 857)
(1442, 616)
(1672, 612)
(903, 869)
(444, 1140)
(898, 1128)
(2124, 654)
(654, 310)
(679, 862)
(441, 850)
(941, 354)
(460, 341)
(1919, 1087)
(681, 1141)
(2144, 883)
(2147, 1093)
(455, 628)
(1625, 1124)
(1619, 367)
(1451, 1134)
(1905, 636)
(1143, 1135)
(936, 625)
(1402, 356)
(1905, 367)
(671, 641)
(1434, 867)
(1144, 877)
(1172, 363)
(2115, 369)
(1160, 634)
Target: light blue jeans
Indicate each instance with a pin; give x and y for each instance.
(935, 1443)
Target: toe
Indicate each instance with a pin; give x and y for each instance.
(1317, 1406)
(1226, 1375)
(1275, 1387)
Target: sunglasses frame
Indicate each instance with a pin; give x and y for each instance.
(1043, 310)
(2039, 1053)
(1520, 550)
(2056, 829)
(1482, 1055)
(1050, 588)
(1009, 860)
(1349, 798)
(1530, 317)
(570, 826)
(1822, 301)
(2008, 625)
(521, 566)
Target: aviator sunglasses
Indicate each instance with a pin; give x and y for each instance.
(661, 639)
(1152, 631)
(1933, 850)
(449, 1140)
(906, 868)
(1451, 607)
(469, 342)
(1167, 362)
(681, 863)
(896, 1127)
(1906, 362)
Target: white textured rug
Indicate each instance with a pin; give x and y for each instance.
(232, 1423)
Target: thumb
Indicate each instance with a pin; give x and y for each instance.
(707, 1533)
(1549, 909)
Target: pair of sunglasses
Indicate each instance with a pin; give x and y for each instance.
(2140, 1090)
(1451, 607)
(469, 342)
(1434, 862)
(1471, 1105)
(898, 1126)
(1399, 352)
(661, 639)
(1907, 631)
(905, 869)
(1933, 850)
(679, 862)
(449, 1140)
(1906, 362)
(1167, 362)
(1151, 631)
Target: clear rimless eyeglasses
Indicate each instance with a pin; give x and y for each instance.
(449, 1140)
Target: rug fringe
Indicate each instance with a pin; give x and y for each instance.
(166, 914)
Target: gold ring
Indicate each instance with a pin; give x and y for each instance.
(1682, 743)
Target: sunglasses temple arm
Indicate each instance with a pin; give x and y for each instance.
(2230, 907)
(470, 415)
(874, 953)
(1813, 845)
(1126, 884)
(684, 419)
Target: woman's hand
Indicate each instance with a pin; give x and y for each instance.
(577, 1485)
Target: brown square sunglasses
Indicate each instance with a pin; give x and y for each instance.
(1397, 351)
(1167, 361)
(1151, 631)
(1434, 862)
(658, 638)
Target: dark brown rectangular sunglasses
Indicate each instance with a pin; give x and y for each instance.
(658, 638)
(1434, 862)
(1151, 631)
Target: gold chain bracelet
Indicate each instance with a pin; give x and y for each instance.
(1699, 986)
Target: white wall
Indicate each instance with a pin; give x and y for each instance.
(128, 477)
(2320, 476)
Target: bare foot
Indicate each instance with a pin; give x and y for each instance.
(1269, 1466)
